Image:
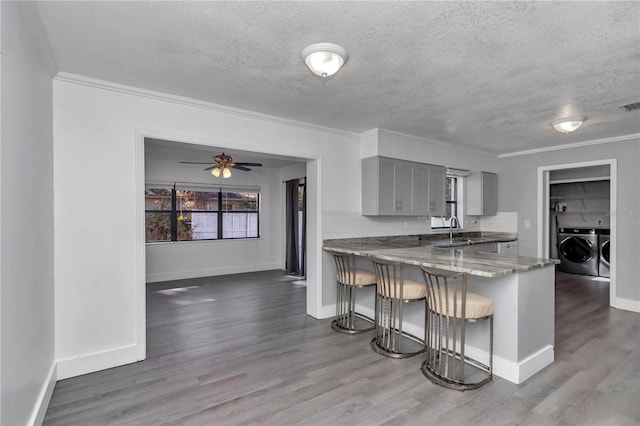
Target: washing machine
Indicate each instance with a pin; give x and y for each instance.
(578, 251)
(603, 244)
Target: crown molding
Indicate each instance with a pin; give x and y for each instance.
(438, 143)
(183, 100)
(32, 16)
(572, 145)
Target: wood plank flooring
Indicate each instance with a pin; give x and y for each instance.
(239, 350)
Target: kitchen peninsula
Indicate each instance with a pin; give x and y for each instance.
(522, 289)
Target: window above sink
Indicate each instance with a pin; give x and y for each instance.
(454, 204)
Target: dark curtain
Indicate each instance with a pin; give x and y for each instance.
(303, 251)
(292, 259)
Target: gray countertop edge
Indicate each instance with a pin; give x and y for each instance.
(483, 264)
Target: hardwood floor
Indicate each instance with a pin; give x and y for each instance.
(239, 349)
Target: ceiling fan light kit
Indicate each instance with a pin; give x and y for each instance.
(222, 165)
(324, 59)
(567, 124)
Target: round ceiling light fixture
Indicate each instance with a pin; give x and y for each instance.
(568, 124)
(324, 59)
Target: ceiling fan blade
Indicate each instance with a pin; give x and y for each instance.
(236, 166)
(210, 168)
(249, 164)
(193, 162)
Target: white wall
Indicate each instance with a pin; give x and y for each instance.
(189, 259)
(295, 171)
(26, 227)
(517, 188)
(98, 129)
(579, 173)
(347, 221)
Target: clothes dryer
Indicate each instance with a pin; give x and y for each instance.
(603, 245)
(578, 251)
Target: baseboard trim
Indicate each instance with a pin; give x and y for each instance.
(626, 304)
(44, 397)
(535, 362)
(515, 372)
(89, 363)
(209, 272)
(328, 311)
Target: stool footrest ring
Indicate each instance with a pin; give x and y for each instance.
(345, 324)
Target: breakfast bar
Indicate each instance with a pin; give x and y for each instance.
(522, 290)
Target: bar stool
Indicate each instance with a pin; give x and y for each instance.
(449, 307)
(349, 278)
(393, 291)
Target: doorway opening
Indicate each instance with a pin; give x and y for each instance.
(296, 202)
(574, 220)
(169, 145)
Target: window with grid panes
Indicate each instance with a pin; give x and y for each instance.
(189, 213)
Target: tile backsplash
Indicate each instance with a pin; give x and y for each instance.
(345, 224)
(502, 222)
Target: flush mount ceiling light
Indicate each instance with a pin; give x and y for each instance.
(324, 59)
(568, 124)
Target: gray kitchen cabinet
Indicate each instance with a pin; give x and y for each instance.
(392, 187)
(429, 193)
(437, 192)
(420, 193)
(509, 248)
(482, 194)
(486, 247)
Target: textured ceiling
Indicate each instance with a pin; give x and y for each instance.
(168, 150)
(488, 75)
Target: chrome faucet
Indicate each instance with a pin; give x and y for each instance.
(451, 221)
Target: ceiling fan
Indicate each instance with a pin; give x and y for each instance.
(223, 164)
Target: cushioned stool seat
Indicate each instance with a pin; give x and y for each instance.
(476, 305)
(411, 290)
(362, 278)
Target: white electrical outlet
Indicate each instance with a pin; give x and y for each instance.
(527, 223)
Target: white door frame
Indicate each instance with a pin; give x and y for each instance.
(314, 224)
(544, 208)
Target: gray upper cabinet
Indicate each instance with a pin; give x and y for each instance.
(393, 187)
(482, 194)
(437, 190)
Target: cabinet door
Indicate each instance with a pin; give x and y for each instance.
(437, 182)
(489, 194)
(386, 189)
(403, 189)
(509, 248)
(486, 247)
(421, 190)
(482, 194)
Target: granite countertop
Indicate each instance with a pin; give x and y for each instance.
(460, 239)
(431, 252)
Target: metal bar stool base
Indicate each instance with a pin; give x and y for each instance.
(452, 384)
(338, 324)
(377, 348)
